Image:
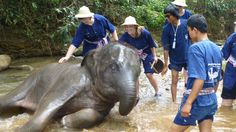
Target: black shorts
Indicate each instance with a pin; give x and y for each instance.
(229, 93)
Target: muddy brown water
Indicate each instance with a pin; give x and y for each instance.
(151, 114)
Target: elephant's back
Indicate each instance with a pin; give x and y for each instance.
(46, 80)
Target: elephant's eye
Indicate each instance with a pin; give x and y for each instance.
(114, 67)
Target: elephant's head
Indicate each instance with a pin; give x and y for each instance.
(116, 69)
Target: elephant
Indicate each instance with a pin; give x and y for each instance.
(78, 95)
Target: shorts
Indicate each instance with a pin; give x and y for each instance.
(198, 113)
(177, 67)
(229, 93)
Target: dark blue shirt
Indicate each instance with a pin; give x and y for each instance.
(92, 33)
(186, 15)
(204, 62)
(144, 41)
(230, 46)
(178, 55)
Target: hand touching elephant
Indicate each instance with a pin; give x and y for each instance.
(80, 95)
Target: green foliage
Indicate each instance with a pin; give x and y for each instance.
(53, 21)
(151, 14)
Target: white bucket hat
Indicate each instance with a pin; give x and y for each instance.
(84, 12)
(180, 3)
(130, 21)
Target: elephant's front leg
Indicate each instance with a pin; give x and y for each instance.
(84, 118)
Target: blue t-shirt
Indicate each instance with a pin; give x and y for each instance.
(144, 41)
(230, 71)
(186, 15)
(177, 54)
(204, 62)
(92, 33)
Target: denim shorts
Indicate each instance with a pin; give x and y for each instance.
(177, 67)
(198, 113)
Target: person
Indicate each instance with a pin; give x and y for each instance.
(175, 43)
(229, 82)
(141, 39)
(199, 102)
(183, 13)
(91, 31)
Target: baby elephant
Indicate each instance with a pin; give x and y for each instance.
(81, 95)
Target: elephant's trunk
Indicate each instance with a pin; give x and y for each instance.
(127, 97)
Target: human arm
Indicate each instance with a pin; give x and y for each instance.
(197, 86)
(226, 50)
(216, 87)
(166, 57)
(154, 53)
(69, 53)
(115, 36)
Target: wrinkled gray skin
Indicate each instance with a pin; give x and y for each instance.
(81, 96)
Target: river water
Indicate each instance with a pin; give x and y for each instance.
(151, 114)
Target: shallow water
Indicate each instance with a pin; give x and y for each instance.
(151, 114)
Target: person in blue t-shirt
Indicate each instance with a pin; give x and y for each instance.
(91, 31)
(199, 101)
(141, 39)
(175, 42)
(183, 13)
(229, 83)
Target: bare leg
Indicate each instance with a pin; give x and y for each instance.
(177, 128)
(227, 102)
(206, 126)
(153, 81)
(174, 83)
(82, 119)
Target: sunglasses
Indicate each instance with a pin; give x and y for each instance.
(168, 16)
(80, 19)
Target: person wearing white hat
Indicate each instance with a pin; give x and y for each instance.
(92, 32)
(181, 4)
(141, 39)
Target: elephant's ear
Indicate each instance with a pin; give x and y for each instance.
(90, 64)
(88, 59)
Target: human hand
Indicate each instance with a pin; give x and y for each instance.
(155, 59)
(63, 59)
(185, 111)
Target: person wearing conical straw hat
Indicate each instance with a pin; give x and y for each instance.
(183, 13)
(141, 39)
(92, 32)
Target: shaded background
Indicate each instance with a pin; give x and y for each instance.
(44, 28)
